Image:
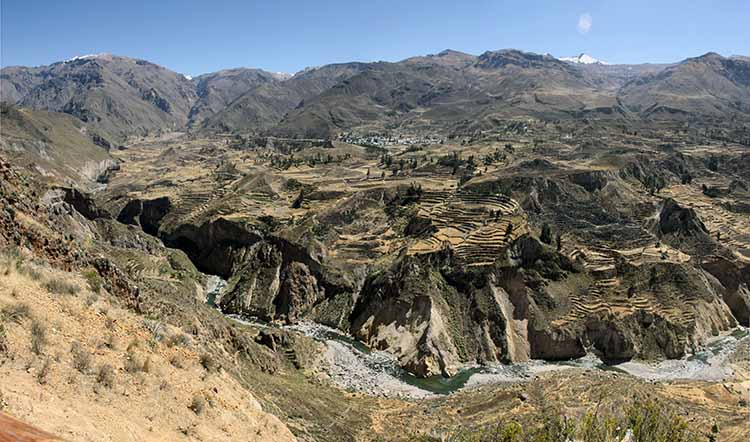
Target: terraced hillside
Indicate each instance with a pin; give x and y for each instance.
(502, 249)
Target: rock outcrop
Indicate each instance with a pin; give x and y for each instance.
(680, 221)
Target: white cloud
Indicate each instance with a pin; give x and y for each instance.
(584, 23)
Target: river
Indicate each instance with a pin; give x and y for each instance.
(355, 367)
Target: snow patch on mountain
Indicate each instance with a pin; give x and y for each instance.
(583, 59)
(87, 56)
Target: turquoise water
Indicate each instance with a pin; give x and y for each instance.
(440, 384)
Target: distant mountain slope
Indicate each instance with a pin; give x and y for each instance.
(58, 146)
(263, 105)
(447, 92)
(218, 89)
(118, 95)
(709, 85)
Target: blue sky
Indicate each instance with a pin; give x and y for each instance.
(194, 37)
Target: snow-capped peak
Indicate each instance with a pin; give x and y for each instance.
(187, 77)
(583, 59)
(84, 57)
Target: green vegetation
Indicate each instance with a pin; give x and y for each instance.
(645, 422)
(93, 279)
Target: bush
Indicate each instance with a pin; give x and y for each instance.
(156, 328)
(198, 404)
(178, 339)
(110, 341)
(133, 363)
(208, 362)
(29, 271)
(81, 357)
(16, 312)
(38, 337)
(61, 287)
(3, 340)
(93, 280)
(546, 236)
(177, 361)
(106, 376)
(649, 422)
(41, 375)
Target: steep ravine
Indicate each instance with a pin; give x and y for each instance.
(434, 316)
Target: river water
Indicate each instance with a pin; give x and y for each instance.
(355, 367)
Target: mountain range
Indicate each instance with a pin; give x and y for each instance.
(117, 97)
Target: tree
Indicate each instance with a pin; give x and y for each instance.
(546, 236)
(299, 200)
(558, 240)
(509, 230)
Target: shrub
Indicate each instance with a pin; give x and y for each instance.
(133, 363)
(546, 236)
(106, 376)
(178, 339)
(156, 328)
(61, 287)
(93, 280)
(41, 375)
(29, 271)
(649, 422)
(110, 341)
(3, 340)
(16, 312)
(198, 404)
(208, 362)
(81, 357)
(177, 361)
(38, 337)
(91, 299)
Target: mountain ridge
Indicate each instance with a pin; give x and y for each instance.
(121, 96)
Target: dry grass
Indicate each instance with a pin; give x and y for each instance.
(645, 422)
(105, 376)
(43, 373)
(81, 357)
(4, 348)
(16, 312)
(38, 337)
(198, 404)
(208, 362)
(177, 361)
(61, 287)
(133, 363)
